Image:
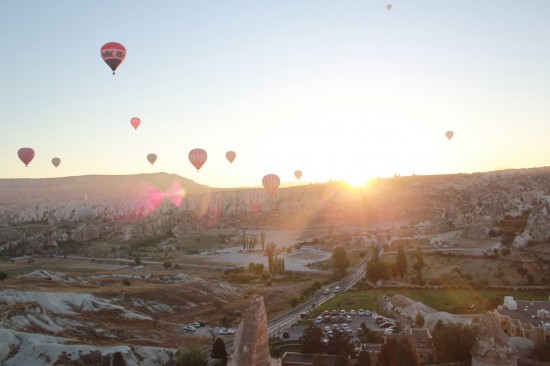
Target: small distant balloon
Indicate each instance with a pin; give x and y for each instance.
(56, 162)
(86, 214)
(152, 158)
(271, 183)
(26, 154)
(389, 6)
(230, 155)
(135, 122)
(198, 157)
(298, 174)
(113, 54)
(449, 135)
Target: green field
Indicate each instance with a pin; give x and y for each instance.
(452, 301)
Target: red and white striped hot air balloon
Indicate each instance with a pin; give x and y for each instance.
(26, 154)
(255, 200)
(113, 54)
(271, 183)
(135, 122)
(56, 162)
(197, 157)
(230, 155)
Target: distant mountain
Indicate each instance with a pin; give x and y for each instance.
(93, 187)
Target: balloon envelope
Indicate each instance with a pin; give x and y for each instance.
(56, 162)
(449, 135)
(298, 174)
(135, 122)
(86, 214)
(255, 200)
(230, 155)
(389, 6)
(26, 154)
(113, 54)
(271, 183)
(152, 158)
(197, 157)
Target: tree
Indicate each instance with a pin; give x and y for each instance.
(419, 259)
(137, 261)
(270, 252)
(396, 353)
(363, 359)
(226, 321)
(311, 339)
(167, 264)
(3, 276)
(419, 320)
(262, 239)
(126, 282)
(453, 342)
(218, 351)
(342, 360)
(401, 261)
(318, 360)
(340, 260)
(340, 344)
(191, 357)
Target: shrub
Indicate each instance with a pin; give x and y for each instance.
(126, 282)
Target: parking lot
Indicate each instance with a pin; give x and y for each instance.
(352, 321)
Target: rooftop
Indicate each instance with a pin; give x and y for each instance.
(420, 338)
(527, 311)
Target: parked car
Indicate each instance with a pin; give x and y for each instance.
(327, 328)
(368, 313)
(337, 290)
(386, 325)
(350, 334)
(334, 312)
(195, 325)
(225, 331)
(189, 328)
(335, 327)
(318, 320)
(390, 330)
(359, 332)
(349, 319)
(334, 319)
(342, 312)
(352, 312)
(360, 312)
(327, 291)
(341, 319)
(201, 322)
(286, 335)
(345, 326)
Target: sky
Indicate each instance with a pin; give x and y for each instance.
(342, 90)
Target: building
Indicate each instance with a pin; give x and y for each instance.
(526, 319)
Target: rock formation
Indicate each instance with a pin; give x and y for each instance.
(250, 347)
(492, 346)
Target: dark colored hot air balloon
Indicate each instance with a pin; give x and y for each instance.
(56, 162)
(113, 54)
(26, 154)
(197, 157)
(152, 158)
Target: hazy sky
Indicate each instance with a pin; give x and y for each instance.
(339, 89)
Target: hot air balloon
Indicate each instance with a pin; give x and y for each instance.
(135, 122)
(152, 158)
(197, 157)
(113, 54)
(298, 174)
(56, 162)
(389, 6)
(255, 200)
(230, 155)
(26, 154)
(449, 135)
(271, 183)
(86, 214)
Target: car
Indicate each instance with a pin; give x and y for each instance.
(386, 325)
(341, 319)
(189, 328)
(326, 312)
(326, 319)
(335, 327)
(360, 332)
(337, 290)
(350, 334)
(361, 312)
(390, 330)
(352, 312)
(318, 320)
(324, 341)
(349, 319)
(327, 328)
(202, 323)
(334, 319)
(334, 312)
(286, 335)
(195, 325)
(345, 326)
(342, 312)
(368, 313)
(327, 291)
(226, 331)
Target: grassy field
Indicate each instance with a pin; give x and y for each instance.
(444, 300)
